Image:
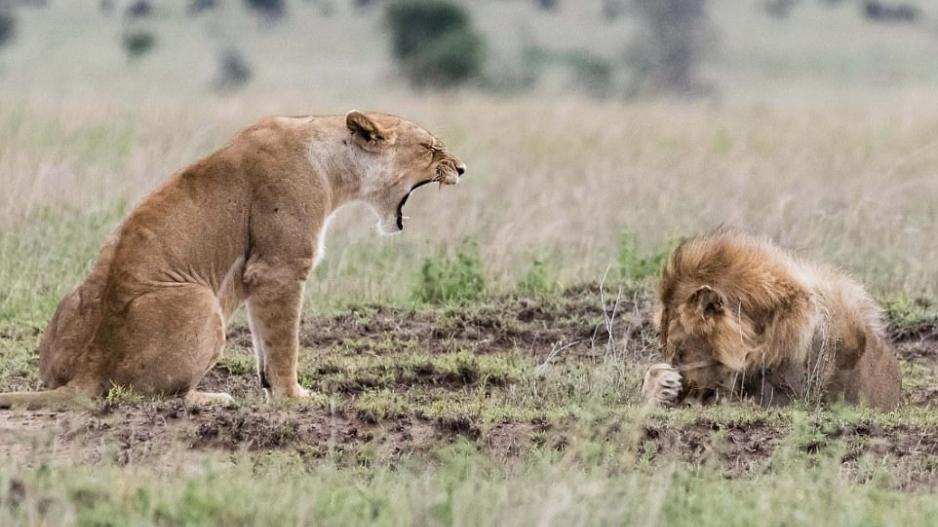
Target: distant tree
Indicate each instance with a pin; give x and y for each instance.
(546, 5)
(613, 9)
(877, 11)
(197, 7)
(233, 70)
(7, 26)
(362, 5)
(269, 10)
(138, 9)
(434, 42)
(674, 38)
(778, 8)
(887, 12)
(325, 8)
(138, 42)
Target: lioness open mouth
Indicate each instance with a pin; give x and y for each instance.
(400, 206)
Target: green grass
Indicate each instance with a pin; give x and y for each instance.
(456, 279)
(591, 486)
(47, 255)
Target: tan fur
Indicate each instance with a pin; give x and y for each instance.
(739, 315)
(242, 225)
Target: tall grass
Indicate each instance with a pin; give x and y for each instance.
(848, 184)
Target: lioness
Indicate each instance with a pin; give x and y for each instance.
(245, 224)
(738, 315)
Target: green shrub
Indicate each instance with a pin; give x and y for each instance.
(434, 42)
(633, 264)
(905, 309)
(451, 279)
(540, 277)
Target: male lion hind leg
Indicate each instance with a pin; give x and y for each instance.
(661, 385)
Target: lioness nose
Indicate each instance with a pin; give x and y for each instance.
(461, 169)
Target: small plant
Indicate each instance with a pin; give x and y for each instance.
(633, 265)
(905, 309)
(540, 277)
(138, 42)
(451, 279)
(120, 394)
(434, 42)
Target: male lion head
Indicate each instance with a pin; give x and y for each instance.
(396, 157)
(696, 333)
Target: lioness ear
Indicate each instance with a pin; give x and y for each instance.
(368, 133)
(708, 301)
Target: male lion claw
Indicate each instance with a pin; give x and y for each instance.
(662, 385)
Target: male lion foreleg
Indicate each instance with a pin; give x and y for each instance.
(274, 304)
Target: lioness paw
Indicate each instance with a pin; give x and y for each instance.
(291, 392)
(662, 385)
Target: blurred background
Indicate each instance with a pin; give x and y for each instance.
(597, 132)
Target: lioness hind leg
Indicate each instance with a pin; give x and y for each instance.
(167, 340)
(195, 398)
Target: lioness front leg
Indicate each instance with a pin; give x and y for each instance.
(274, 304)
(662, 385)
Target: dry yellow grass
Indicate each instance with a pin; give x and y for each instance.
(834, 155)
(850, 183)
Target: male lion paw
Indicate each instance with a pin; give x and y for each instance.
(662, 385)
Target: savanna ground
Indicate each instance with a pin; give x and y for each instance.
(483, 367)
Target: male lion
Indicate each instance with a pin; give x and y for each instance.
(244, 224)
(740, 316)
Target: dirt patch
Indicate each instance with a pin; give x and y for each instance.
(916, 341)
(917, 344)
(509, 323)
(581, 321)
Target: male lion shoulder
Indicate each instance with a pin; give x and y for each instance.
(738, 315)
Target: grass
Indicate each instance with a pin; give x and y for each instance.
(594, 484)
